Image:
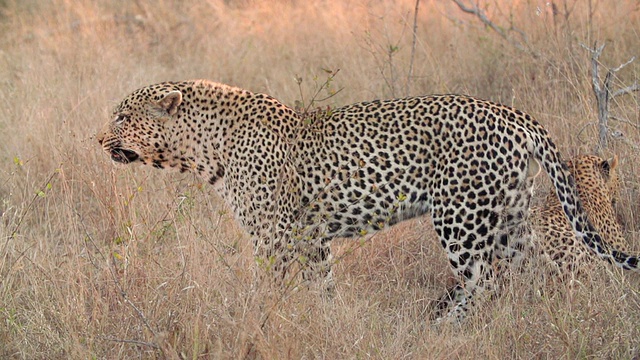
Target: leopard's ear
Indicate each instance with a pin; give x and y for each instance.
(613, 162)
(610, 164)
(171, 101)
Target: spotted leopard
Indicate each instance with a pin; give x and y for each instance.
(598, 186)
(296, 183)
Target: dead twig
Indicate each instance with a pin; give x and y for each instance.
(627, 90)
(604, 93)
(12, 235)
(119, 286)
(625, 121)
(413, 48)
(521, 44)
(135, 342)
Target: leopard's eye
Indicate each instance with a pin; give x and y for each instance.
(121, 118)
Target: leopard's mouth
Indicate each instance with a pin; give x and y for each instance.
(123, 156)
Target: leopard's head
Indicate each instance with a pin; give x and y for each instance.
(137, 130)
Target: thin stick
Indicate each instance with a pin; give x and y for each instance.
(413, 48)
(136, 342)
(12, 234)
(522, 45)
(119, 286)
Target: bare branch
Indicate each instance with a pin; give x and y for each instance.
(413, 48)
(595, 54)
(594, 50)
(604, 93)
(627, 90)
(522, 45)
(623, 65)
(625, 121)
(475, 10)
(582, 129)
(136, 342)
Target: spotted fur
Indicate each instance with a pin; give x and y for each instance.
(598, 185)
(294, 183)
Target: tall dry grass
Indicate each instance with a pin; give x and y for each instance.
(101, 261)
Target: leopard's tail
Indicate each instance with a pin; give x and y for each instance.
(545, 151)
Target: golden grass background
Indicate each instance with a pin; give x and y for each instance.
(103, 261)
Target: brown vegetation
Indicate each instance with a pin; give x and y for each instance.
(103, 261)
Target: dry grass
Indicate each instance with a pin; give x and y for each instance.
(99, 261)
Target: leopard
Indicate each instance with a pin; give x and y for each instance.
(294, 183)
(598, 184)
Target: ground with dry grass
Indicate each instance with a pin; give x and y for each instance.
(102, 261)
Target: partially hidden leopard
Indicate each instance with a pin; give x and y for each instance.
(598, 186)
(295, 183)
